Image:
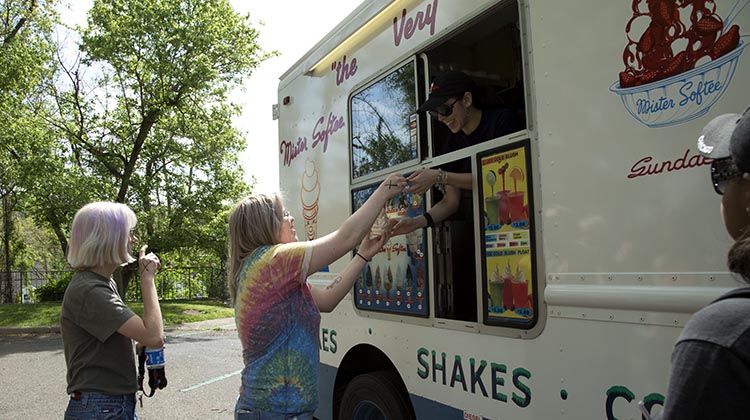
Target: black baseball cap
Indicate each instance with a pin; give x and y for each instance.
(445, 86)
(727, 135)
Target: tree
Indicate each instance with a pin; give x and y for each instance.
(144, 118)
(380, 127)
(26, 57)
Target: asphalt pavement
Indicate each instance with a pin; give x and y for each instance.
(203, 363)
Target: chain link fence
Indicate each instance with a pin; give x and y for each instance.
(172, 283)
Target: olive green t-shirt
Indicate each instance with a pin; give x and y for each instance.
(99, 359)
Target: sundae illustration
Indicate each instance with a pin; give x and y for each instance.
(368, 280)
(397, 210)
(399, 280)
(409, 281)
(388, 282)
(309, 195)
(679, 59)
(414, 243)
(380, 225)
(416, 201)
(378, 280)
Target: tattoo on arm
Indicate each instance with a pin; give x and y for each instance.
(145, 267)
(335, 281)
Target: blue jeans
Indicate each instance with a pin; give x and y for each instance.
(245, 412)
(95, 406)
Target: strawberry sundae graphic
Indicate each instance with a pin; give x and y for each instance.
(680, 58)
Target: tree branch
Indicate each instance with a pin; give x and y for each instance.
(30, 10)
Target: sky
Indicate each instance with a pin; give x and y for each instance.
(291, 27)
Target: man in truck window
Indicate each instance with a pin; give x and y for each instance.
(454, 100)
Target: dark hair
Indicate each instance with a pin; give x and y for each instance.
(738, 259)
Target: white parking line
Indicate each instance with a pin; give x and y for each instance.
(210, 381)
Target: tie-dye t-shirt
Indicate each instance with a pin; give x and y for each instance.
(278, 323)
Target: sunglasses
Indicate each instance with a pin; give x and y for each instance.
(444, 110)
(723, 171)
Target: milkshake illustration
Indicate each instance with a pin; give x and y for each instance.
(503, 204)
(507, 278)
(520, 288)
(496, 287)
(515, 199)
(309, 195)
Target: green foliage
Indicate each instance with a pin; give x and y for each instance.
(173, 312)
(181, 312)
(30, 315)
(26, 65)
(53, 290)
(159, 126)
(140, 116)
(137, 113)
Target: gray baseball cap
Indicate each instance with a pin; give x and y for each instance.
(727, 135)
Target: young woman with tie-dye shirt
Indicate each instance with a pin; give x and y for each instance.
(277, 312)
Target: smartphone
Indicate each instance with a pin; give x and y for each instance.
(644, 410)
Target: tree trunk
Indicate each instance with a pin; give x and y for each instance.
(148, 121)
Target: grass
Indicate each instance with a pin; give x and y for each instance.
(174, 312)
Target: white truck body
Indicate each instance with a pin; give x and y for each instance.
(626, 239)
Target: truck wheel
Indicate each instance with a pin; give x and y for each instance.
(375, 396)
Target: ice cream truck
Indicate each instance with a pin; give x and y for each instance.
(589, 237)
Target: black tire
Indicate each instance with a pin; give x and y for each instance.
(376, 396)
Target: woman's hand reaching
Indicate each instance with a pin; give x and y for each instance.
(393, 185)
(372, 245)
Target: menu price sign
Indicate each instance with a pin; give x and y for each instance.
(508, 241)
(395, 280)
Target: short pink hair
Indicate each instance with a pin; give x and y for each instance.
(100, 235)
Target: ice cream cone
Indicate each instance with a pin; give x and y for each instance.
(309, 196)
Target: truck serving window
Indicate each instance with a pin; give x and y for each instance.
(380, 122)
(489, 51)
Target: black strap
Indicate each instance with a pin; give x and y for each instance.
(142, 372)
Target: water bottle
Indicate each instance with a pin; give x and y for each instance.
(155, 365)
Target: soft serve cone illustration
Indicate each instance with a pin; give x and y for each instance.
(309, 195)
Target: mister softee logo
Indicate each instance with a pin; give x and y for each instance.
(679, 60)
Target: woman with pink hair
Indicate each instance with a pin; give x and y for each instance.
(97, 328)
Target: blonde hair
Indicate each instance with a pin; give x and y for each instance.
(100, 235)
(254, 222)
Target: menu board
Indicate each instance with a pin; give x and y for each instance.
(396, 278)
(508, 241)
